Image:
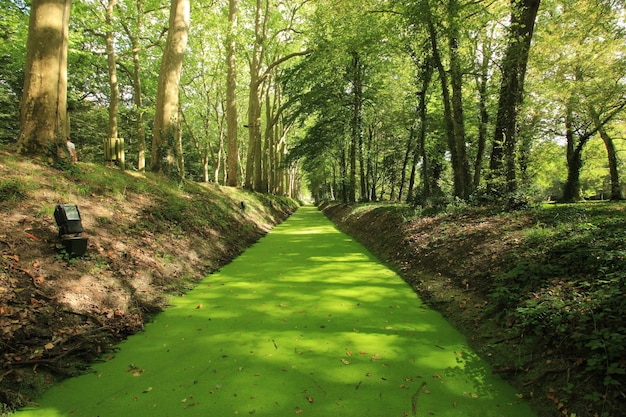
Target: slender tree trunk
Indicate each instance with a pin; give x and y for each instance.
(357, 123)
(408, 150)
(343, 173)
(447, 110)
(114, 96)
(503, 155)
(137, 91)
(362, 174)
(483, 114)
(461, 168)
(427, 74)
(44, 124)
(231, 97)
(166, 119)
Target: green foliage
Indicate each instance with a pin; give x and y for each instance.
(568, 290)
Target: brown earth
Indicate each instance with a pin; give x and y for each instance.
(57, 313)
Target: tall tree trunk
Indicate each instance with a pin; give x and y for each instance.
(166, 118)
(447, 110)
(616, 190)
(503, 155)
(483, 114)
(426, 77)
(357, 122)
(571, 189)
(134, 37)
(253, 162)
(137, 89)
(363, 176)
(231, 97)
(114, 96)
(408, 150)
(343, 175)
(44, 124)
(461, 167)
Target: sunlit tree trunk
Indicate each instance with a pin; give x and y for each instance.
(166, 119)
(44, 123)
(133, 36)
(114, 96)
(231, 98)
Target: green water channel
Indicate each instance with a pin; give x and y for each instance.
(305, 322)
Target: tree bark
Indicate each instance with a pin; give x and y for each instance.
(451, 114)
(461, 168)
(503, 155)
(231, 97)
(483, 114)
(571, 189)
(44, 124)
(135, 75)
(357, 123)
(114, 96)
(166, 119)
(616, 190)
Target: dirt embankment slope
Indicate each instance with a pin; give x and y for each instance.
(148, 239)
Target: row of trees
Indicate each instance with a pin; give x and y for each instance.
(458, 104)
(418, 100)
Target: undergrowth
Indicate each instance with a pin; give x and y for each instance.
(566, 290)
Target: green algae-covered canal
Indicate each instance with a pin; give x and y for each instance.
(305, 322)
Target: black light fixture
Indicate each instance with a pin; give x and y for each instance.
(70, 226)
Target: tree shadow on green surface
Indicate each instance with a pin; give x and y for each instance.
(302, 323)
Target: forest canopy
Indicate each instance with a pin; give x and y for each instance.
(427, 102)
